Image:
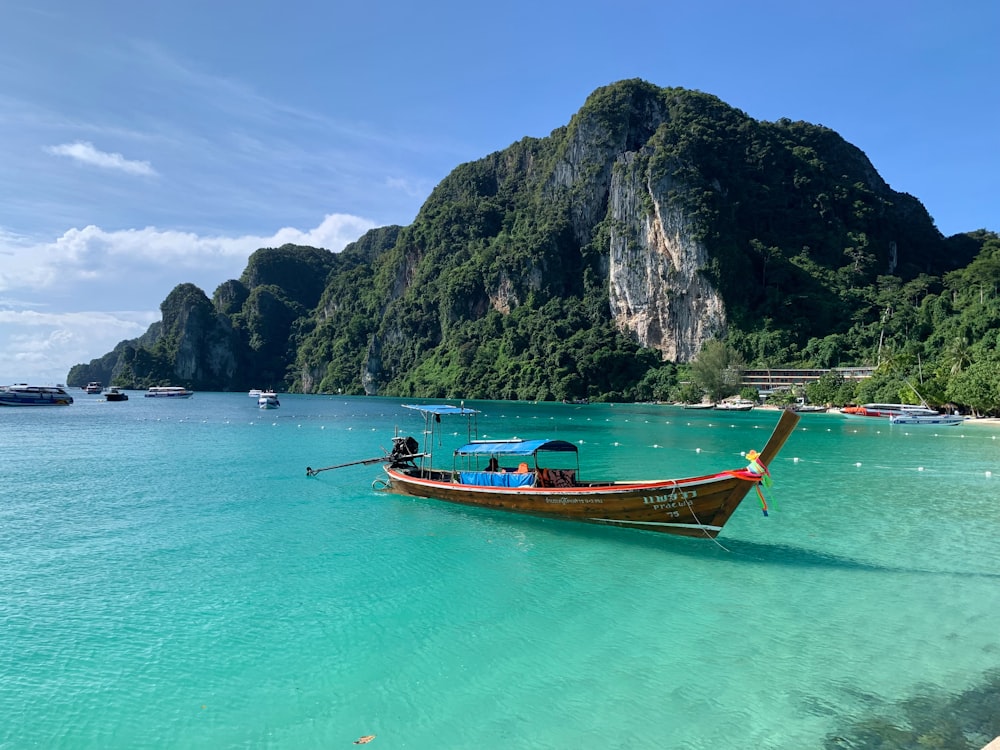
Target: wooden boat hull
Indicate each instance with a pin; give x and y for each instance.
(693, 506)
(689, 507)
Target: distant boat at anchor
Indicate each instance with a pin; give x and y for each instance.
(168, 391)
(888, 410)
(22, 394)
(736, 404)
(939, 420)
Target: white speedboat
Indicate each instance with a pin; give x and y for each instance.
(268, 400)
(93, 387)
(736, 404)
(22, 394)
(937, 420)
(168, 391)
(888, 410)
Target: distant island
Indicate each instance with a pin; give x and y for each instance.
(598, 263)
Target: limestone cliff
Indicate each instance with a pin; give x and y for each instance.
(655, 286)
(204, 345)
(571, 265)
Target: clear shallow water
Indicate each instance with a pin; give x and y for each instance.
(170, 578)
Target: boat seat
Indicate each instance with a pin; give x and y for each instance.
(496, 479)
(556, 478)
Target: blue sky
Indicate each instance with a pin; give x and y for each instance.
(143, 145)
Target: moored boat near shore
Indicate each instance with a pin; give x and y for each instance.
(168, 391)
(938, 420)
(887, 410)
(542, 478)
(22, 394)
(735, 404)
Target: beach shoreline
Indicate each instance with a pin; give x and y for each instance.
(982, 421)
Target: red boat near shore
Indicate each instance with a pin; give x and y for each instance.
(888, 410)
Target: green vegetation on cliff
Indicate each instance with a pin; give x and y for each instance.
(500, 287)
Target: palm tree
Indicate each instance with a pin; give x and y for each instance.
(958, 354)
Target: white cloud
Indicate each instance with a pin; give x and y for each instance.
(62, 301)
(40, 347)
(93, 254)
(85, 152)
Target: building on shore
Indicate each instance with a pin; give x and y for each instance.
(768, 381)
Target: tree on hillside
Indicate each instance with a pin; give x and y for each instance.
(977, 387)
(717, 369)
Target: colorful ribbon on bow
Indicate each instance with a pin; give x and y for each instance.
(758, 468)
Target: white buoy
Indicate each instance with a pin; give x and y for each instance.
(795, 460)
(858, 464)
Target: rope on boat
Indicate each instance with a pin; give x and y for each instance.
(379, 485)
(698, 520)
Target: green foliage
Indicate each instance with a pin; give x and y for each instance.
(977, 387)
(831, 388)
(717, 370)
(499, 288)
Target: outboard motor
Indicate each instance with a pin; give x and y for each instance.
(404, 450)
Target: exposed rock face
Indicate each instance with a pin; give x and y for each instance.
(655, 288)
(651, 204)
(372, 368)
(591, 149)
(206, 345)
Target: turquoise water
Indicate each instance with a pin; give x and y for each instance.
(169, 578)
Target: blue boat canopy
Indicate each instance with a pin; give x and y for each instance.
(515, 447)
(440, 409)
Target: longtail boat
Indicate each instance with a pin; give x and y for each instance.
(542, 478)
